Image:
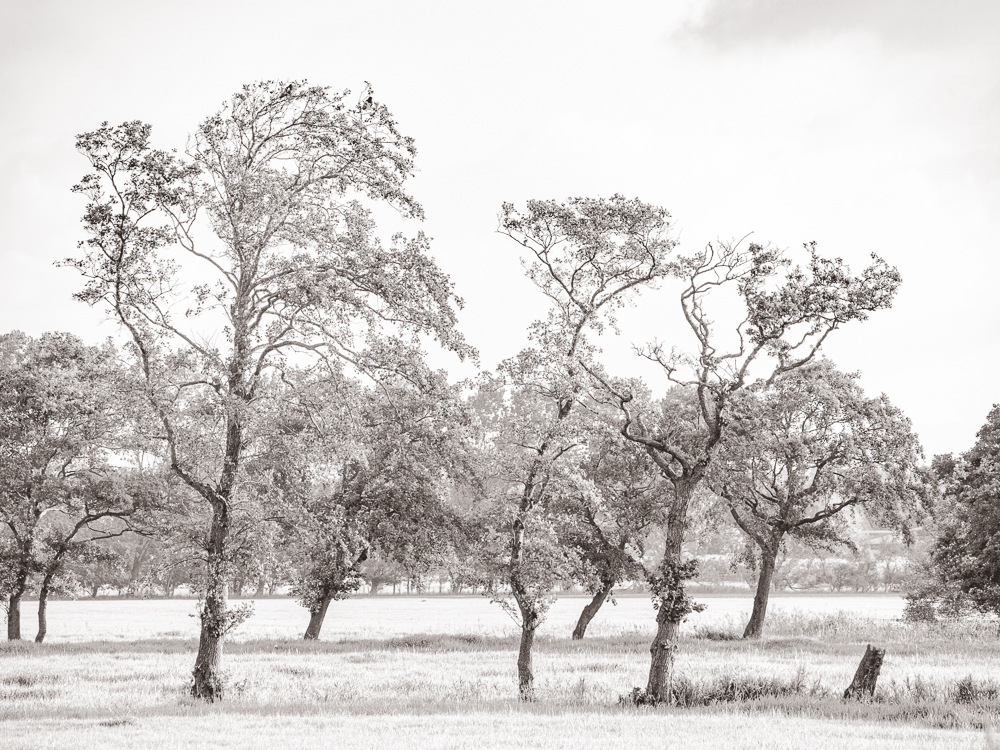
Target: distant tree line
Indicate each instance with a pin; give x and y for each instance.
(270, 418)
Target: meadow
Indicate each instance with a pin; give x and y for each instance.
(438, 672)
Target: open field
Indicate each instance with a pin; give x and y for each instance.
(439, 672)
(386, 616)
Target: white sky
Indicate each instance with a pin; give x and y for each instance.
(866, 125)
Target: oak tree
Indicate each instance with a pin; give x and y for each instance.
(255, 248)
(788, 311)
(65, 408)
(803, 450)
(359, 470)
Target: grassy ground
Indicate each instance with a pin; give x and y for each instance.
(453, 685)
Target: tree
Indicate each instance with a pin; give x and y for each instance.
(380, 488)
(789, 311)
(802, 450)
(966, 554)
(609, 510)
(286, 267)
(64, 408)
(588, 257)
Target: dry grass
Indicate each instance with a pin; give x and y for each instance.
(374, 687)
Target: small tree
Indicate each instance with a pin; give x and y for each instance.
(286, 265)
(788, 313)
(802, 450)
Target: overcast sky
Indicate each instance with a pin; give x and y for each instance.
(865, 125)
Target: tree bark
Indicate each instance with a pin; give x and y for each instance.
(591, 610)
(662, 652)
(14, 616)
(668, 621)
(865, 679)
(207, 683)
(14, 606)
(525, 675)
(43, 604)
(316, 617)
(768, 556)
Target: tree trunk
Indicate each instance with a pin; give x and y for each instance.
(668, 619)
(662, 652)
(207, 674)
(768, 556)
(14, 606)
(316, 617)
(863, 684)
(43, 604)
(14, 616)
(525, 675)
(239, 581)
(592, 609)
(260, 586)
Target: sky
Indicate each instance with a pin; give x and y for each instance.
(867, 126)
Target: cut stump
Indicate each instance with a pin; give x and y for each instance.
(863, 685)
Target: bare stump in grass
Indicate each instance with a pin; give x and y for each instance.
(863, 685)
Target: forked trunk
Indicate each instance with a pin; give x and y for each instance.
(207, 674)
(591, 610)
(525, 675)
(316, 617)
(755, 627)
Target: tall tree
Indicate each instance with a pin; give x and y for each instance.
(286, 266)
(64, 411)
(805, 448)
(588, 257)
(788, 312)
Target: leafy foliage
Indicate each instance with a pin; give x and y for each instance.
(65, 414)
(967, 554)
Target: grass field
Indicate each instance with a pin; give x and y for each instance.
(428, 672)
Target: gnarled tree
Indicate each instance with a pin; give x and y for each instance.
(788, 311)
(610, 506)
(361, 470)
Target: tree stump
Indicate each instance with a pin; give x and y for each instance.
(865, 678)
